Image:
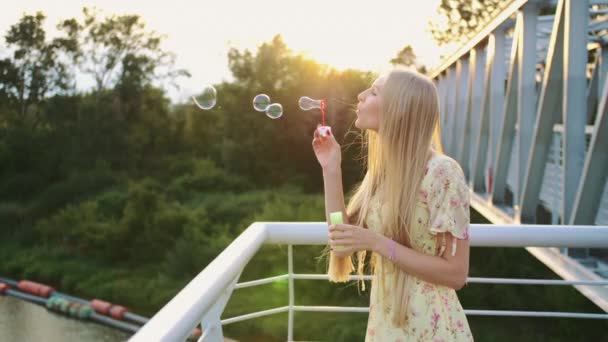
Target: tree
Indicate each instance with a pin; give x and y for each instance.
(459, 19)
(38, 67)
(282, 147)
(408, 58)
(117, 50)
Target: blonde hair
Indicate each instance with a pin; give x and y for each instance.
(397, 156)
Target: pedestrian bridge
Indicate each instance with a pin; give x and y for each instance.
(524, 111)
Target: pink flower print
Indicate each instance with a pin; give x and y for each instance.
(435, 320)
(371, 332)
(398, 340)
(424, 194)
(466, 235)
(453, 203)
(437, 339)
(460, 325)
(440, 172)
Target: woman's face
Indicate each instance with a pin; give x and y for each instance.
(368, 108)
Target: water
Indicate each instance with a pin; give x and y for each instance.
(22, 321)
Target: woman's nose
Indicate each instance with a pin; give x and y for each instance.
(360, 96)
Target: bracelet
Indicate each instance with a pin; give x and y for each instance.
(391, 256)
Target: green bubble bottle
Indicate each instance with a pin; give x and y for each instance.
(336, 218)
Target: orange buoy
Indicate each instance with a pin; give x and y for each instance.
(117, 311)
(36, 289)
(101, 306)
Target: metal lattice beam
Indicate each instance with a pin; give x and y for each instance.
(549, 113)
(507, 127)
(575, 85)
(595, 169)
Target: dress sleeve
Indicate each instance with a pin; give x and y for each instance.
(449, 202)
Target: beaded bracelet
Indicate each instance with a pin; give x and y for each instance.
(392, 251)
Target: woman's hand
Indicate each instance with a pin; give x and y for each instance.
(345, 239)
(327, 150)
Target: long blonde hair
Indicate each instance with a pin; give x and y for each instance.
(396, 159)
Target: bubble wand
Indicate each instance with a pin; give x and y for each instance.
(306, 103)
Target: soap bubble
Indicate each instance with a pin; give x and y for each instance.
(207, 99)
(274, 111)
(261, 102)
(306, 103)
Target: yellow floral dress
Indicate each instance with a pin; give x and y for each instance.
(435, 312)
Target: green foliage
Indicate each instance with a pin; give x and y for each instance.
(36, 68)
(406, 57)
(462, 18)
(194, 176)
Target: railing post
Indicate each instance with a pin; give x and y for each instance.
(210, 323)
(291, 293)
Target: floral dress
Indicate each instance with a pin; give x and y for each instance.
(435, 311)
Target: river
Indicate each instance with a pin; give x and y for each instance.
(21, 321)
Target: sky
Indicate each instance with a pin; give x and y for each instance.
(356, 34)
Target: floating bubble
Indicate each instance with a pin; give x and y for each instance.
(207, 99)
(274, 111)
(306, 103)
(261, 102)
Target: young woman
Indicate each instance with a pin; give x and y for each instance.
(411, 211)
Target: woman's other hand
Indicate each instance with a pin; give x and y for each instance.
(345, 239)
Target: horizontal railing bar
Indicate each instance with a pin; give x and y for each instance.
(362, 309)
(482, 235)
(326, 277)
(470, 280)
(261, 281)
(536, 281)
(534, 314)
(254, 315)
(330, 308)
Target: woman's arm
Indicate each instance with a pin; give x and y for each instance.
(334, 193)
(328, 153)
(446, 270)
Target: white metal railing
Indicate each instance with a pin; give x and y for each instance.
(204, 298)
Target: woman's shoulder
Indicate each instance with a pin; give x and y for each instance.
(443, 165)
